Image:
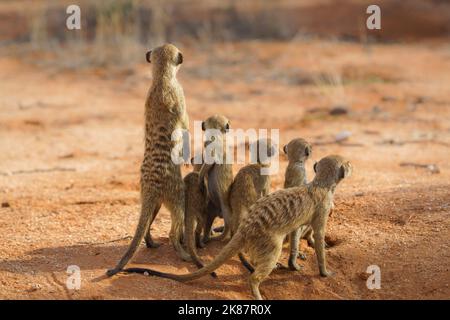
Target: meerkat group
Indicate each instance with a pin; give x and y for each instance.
(257, 221)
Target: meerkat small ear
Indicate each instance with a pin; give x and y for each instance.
(180, 58)
(308, 151)
(148, 56)
(315, 167)
(285, 149)
(203, 126)
(227, 127)
(342, 172)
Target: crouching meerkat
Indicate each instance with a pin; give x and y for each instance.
(161, 180)
(271, 218)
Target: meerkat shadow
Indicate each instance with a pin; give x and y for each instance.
(86, 257)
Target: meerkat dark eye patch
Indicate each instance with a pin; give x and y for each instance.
(148, 56)
(180, 58)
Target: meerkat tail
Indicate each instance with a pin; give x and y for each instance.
(230, 249)
(245, 263)
(147, 209)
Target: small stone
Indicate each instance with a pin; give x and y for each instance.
(338, 111)
(342, 136)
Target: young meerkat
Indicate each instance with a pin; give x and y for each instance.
(271, 218)
(217, 177)
(196, 214)
(248, 186)
(161, 180)
(298, 151)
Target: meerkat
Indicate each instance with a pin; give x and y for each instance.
(196, 214)
(271, 218)
(161, 180)
(248, 186)
(217, 178)
(297, 151)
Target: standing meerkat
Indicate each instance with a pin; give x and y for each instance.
(298, 151)
(196, 214)
(217, 177)
(161, 180)
(271, 218)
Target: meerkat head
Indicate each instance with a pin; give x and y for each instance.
(216, 127)
(165, 57)
(265, 149)
(217, 122)
(298, 150)
(331, 170)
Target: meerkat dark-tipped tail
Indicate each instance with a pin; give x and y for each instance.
(231, 249)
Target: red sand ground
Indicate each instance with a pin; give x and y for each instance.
(91, 123)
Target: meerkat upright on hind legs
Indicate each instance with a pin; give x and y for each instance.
(196, 214)
(298, 151)
(271, 218)
(218, 175)
(161, 180)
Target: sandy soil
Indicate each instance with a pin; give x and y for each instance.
(71, 145)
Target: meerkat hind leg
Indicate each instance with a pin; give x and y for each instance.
(149, 242)
(263, 267)
(294, 239)
(176, 207)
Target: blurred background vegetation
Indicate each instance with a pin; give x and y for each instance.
(117, 32)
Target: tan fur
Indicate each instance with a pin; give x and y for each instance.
(196, 214)
(272, 217)
(161, 180)
(217, 177)
(249, 185)
(298, 151)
